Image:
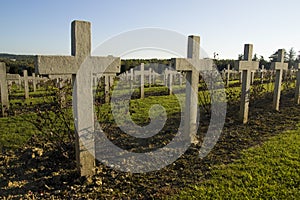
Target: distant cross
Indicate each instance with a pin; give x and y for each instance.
(246, 66)
(34, 80)
(228, 75)
(150, 77)
(297, 93)
(57, 65)
(26, 84)
(142, 80)
(4, 89)
(279, 66)
(192, 65)
(262, 71)
(170, 80)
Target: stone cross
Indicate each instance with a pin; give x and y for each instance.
(80, 51)
(34, 82)
(192, 66)
(297, 93)
(26, 85)
(142, 81)
(166, 78)
(4, 89)
(246, 66)
(170, 82)
(170, 74)
(262, 71)
(150, 77)
(279, 66)
(228, 75)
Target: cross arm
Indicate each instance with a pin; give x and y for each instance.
(107, 64)
(246, 65)
(56, 65)
(12, 77)
(187, 64)
(279, 66)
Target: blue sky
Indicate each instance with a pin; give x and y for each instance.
(43, 27)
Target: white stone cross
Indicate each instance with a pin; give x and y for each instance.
(26, 85)
(297, 93)
(142, 80)
(80, 51)
(246, 66)
(3, 89)
(262, 71)
(192, 65)
(279, 66)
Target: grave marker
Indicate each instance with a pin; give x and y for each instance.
(279, 66)
(149, 77)
(34, 82)
(26, 85)
(4, 89)
(262, 71)
(228, 75)
(192, 65)
(56, 65)
(142, 81)
(297, 93)
(169, 76)
(246, 66)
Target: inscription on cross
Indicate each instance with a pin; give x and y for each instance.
(246, 66)
(279, 66)
(56, 65)
(192, 65)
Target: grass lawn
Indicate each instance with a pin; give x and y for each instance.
(269, 171)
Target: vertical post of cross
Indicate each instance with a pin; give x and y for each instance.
(279, 66)
(228, 75)
(262, 71)
(150, 77)
(56, 65)
(142, 80)
(26, 85)
(192, 78)
(170, 81)
(4, 89)
(34, 81)
(246, 66)
(297, 92)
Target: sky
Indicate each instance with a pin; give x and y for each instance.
(43, 27)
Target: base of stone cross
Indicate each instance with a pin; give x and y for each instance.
(84, 159)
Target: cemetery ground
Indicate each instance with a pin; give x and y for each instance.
(257, 160)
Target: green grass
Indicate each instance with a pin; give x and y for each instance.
(15, 132)
(269, 171)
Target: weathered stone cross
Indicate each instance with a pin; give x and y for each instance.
(246, 66)
(56, 65)
(279, 66)
(192, 66)
(297, 93)
(4, 90)
(26, 84)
